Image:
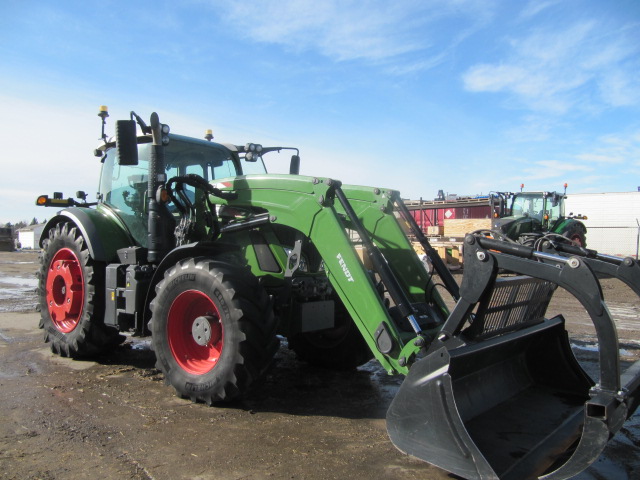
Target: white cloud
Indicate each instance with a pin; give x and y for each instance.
(371, 30)
(548, 69)
(615, 149)
(598, 158)
(538, 174)
(534, 7)
(533, 128)
(619, 89)
(559, 166)
(494, 78)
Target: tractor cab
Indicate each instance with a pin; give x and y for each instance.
(123, 186)
(125, 182)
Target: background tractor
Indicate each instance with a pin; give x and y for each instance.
(527, 216)
(191, 242)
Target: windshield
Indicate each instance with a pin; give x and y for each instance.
(534, 205)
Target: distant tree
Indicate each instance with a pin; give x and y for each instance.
(20, 225)
(8, 225)
(34, 221)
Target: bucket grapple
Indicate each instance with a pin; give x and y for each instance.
(499, 393)
(216, 264)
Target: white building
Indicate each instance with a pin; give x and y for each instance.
(29, 236)
(612, 220)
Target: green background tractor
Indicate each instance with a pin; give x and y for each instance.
(531, 215)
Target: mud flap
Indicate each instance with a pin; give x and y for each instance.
(508, 407)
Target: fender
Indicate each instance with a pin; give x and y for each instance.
(567, 224)
(103, 233)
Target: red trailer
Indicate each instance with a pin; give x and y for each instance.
(433, 213)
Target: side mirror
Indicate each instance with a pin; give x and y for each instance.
(127, 142)
(294, 167)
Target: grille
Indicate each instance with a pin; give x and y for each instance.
(512, 304)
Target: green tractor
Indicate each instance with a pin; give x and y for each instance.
(532, 215)
(192, 243)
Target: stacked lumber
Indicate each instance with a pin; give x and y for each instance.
(459, 227)
(435, 230)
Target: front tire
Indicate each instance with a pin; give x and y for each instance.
(577, 234)
(338, 348)
(213, 329)
(71, 295)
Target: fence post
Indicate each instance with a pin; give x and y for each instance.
(637, 239)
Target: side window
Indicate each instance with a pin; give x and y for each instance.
(124, 188)
(554, 212)
(516, 208)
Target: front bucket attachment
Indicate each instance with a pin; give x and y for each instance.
(508, 407)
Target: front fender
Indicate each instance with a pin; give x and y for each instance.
(103, 233)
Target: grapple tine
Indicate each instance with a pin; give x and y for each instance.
(604, 415)
(595, 436)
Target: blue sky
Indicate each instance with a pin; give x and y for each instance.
(466, 96)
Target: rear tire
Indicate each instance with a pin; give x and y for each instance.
(339, 348)
(213, 329)
(71, 295)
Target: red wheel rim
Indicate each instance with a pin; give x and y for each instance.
(65, 290)
(194, 356)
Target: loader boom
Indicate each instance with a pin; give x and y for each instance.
(319, 214)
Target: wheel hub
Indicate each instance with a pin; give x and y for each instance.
(202, 331)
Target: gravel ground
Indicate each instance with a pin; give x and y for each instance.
(115, 418)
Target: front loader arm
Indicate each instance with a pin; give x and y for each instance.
(328, 214)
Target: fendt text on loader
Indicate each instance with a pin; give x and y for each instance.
(193, 243)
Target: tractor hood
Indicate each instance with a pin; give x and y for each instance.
(504, 224)
(515, 226)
